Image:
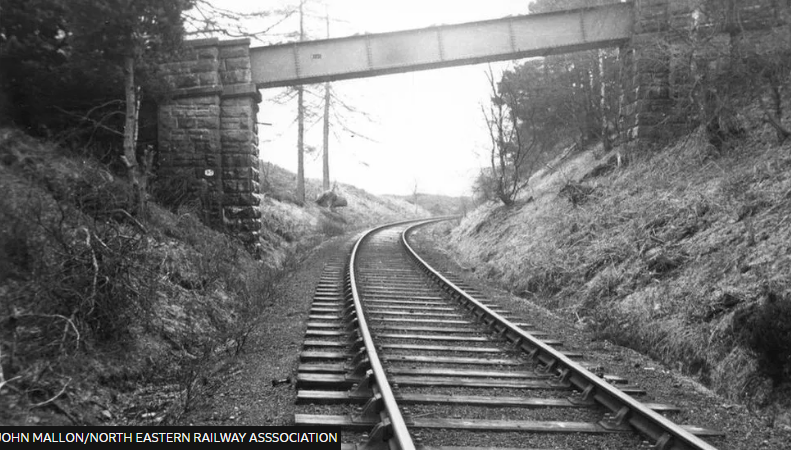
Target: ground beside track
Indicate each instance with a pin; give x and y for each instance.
(745, 430)
(247, 396)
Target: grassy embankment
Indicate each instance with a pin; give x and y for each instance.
(685, 255)
(110, 318)
(293, 223)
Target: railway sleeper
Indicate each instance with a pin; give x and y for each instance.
(305, 396)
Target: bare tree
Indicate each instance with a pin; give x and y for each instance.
(325, 160)
(301, 120)
(414, 194)
(206, 19)
(510, 151)
(336, 110)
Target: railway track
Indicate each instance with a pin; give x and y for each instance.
(401, 356)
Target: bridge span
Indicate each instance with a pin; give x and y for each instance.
(435, 47)
(208, 129)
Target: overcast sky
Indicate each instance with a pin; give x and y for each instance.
(426, 128)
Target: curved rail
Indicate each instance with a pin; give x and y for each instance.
(667, 434)
(399, 430)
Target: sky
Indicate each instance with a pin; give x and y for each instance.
(420, 131)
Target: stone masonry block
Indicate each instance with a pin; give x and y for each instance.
(239, 160)
(200, 112)
(205, 147)
(230, 124)
(180, 160)
(235, 51)
(251, 148)
(240, 173)
(243, 199)
(186, 122)
(175, 136)
(202, 100)
(207, 53)
(242, 63)
(233, 186)
(236, 124)
(203, 135)
(232, 147)
(236, 136)
(167, 121)
(241, 102)
(207, 121)
(208, 78)
(247, 148)
(186, 81)
(230, 110)
(205, 65)
(240, 76)
(212, 159)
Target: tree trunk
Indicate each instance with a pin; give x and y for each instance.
(301, 122)
(129, 158)
(605, 129)
(300, 146)
(325, 180)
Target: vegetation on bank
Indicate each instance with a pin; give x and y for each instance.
(680, 248)
(683, 255)
(96, 301)
(117, 304)
(97, 305)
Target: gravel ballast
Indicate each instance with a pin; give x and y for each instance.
(248, 396)
(745, 429)
(254, 389)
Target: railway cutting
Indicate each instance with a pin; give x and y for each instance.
(401, 356)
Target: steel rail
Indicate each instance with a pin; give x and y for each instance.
(399, 430)
(668, 435)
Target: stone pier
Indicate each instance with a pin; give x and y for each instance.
(646, 101)
(208, 134)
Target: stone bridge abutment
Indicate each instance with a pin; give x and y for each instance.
(208, 133)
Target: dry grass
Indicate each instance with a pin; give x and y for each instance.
(94, 301)
(302, 225)
(683, 255)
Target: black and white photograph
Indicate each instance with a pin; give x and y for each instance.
(396, 225)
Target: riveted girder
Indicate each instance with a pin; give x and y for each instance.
(441, 46)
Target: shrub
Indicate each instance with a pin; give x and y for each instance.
(92, 293)
(766, 328)
(175, 193)
(330, 228)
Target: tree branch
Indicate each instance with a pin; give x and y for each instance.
(97, 124)
(53, 398)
